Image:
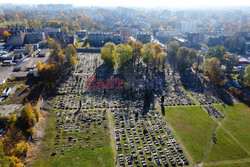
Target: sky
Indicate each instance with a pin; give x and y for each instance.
(140, 3)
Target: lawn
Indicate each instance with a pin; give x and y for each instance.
(237, 123)
(225, 148)
(247, 164)
(90, 150)
(193, 126)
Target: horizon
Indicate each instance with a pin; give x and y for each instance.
(161, 4)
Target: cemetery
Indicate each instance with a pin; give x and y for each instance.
(82, 122)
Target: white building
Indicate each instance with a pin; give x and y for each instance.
(184, 27)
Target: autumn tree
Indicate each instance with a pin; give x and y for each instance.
(158, 55)
(12, 120)
(211, 67)
(6, 35)
(10, 139)
(21, 148)
(28, 115)
(14, 161)
(108, 54)
(4, 160)
(87, 46)
(39, 66)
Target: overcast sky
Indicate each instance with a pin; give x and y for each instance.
(141, 3)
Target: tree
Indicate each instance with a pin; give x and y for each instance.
(21, 148)
(247, 76)
(39, 66)
(29, 116)
(148, 54)
(12, 120)
(87, 46)
(37, 112)
(172, 51)
(217, 52)
(29, 49)
(31, 131)
(4, 160)
(6, 35)
(13, 161)
(158, 55)
(182, 58)
(108, 54)
(124, 53)
(69, 51)
(230, 60)
(65, 29)
(73, 61)
(211, 67)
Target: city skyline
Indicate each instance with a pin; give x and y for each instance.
(141, 3)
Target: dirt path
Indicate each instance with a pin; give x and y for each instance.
(112, 136)
(237, 161)
(37, 139)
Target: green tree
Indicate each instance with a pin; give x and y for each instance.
(148, 54)
(108, 54)
(124, 53)
(172, 50)
(217, 52)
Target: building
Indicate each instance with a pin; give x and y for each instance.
(81, 33)
(22, 65)
(185, 27)
(16, 39)
(124, 32)
(165, 36)
(98, 39)
(144, 37)
(34, 37)
(69, 39)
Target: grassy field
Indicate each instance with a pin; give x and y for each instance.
(225, 148)
(247, 164)
(237, 123)
(90, 150)
(193, 126)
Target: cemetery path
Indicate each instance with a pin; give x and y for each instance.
(230, 134)
(229, 162)
(112, 135)
(209, 145)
